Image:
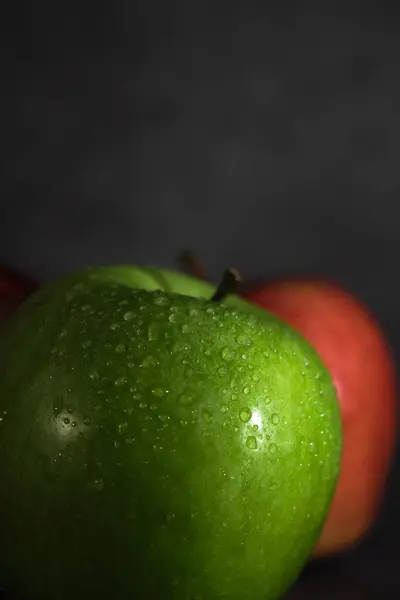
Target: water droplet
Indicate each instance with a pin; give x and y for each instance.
(267, 400)
(114, 326)
(210, 311)
(255, 427)
(149, 361)
(223, 408)
(252, 322)
(86, 421)
(246, 390)
(228, 354)
(128, 316)
(161, 300)
(244, 340)
(142, 405)
(176, 317)
(122, 427)
(152, 332)
(66, 421)
(226, 422)
(71, 409)
(193, 312)
(97, 484)
(180, 347)
(222, 371)
(245, 415)
(207, 415)
(185, 328)
(158, 392)
(63, 333)
(255, 378)
(275, 418)
(120, 348)
(94, 375)
(251, 442)
(185, 399)
(272, 448)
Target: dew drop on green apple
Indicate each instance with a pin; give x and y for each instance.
(251, 442)
(207, 415)
(185, 399)
(120, 348)
(149, 361)
(245, 415)
(228, 354)
(176, 317)
(153, 332)
(128, 316)
(275, 418)
(244, 340)
(97, 484)
(161, 300)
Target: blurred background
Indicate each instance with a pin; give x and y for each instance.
(264, 136)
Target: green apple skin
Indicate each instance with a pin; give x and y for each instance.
(155, 445)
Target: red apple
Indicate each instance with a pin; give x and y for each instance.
(14, 287)
(355, 351)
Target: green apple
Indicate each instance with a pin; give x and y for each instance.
(156, 444)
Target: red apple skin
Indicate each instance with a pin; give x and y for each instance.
(356, 353)
(14, 288)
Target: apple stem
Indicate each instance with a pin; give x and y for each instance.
(228, 285)
(191, 264)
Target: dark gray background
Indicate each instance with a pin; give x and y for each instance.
(263, 135)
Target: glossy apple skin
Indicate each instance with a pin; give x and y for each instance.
(124, 467)
(354, 349)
